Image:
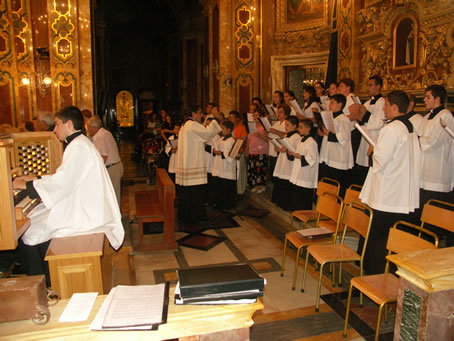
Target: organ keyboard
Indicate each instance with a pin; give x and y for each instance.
(30, 153)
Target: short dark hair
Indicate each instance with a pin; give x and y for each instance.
(291, 93)
(378, 80)
(293, 120)
(348, 82)
(72, 114)
(281, 95)
(307, 123)
(310, 90)
(321, 84)
(333, 82)
(339, 98)
(438, 91)
(194, 108)
(235, 113)
(399, 98)
(286, 108)
(227, 124)
(258, 99)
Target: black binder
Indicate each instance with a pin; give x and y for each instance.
(199, 282)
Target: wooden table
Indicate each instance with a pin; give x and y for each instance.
(187, 322)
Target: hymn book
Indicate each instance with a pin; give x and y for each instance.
(265, 123)
(251, 123)
(286, 144)
(271, 111)
(275, 142)
(236, 148)
(448, 130)
(325, 102)
(294, 104)
(366, 134)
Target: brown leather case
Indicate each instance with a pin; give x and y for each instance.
(23, 298)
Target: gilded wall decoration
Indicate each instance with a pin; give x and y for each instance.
(245, 18)
(297, 15)
(309, 41)
(345, 38)
(434, 62)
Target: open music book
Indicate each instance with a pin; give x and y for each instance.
(141, 307)
(366, 134)
(271, 111)
(275, 142)
(266, 124)
(251, 123)
(325, 119)
(287, 145)
(294, 104)
(448, 130)
(236, 148)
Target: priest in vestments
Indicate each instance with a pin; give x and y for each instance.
(190, 168)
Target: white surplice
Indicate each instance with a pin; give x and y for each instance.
(392, 184)
(191, 168)
(223, 165)
(78, 199)
(283, 164)
(306, 176)
(437, 153)
(375, 122)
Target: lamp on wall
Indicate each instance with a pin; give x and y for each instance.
(41, 78)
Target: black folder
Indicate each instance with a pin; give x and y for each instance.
(198, 282)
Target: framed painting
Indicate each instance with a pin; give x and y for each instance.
(296, 15)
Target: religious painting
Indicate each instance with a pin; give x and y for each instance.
(300, 11)
(295, 15)
(125, 109)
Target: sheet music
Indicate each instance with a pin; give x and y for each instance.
(328, 121)
(325, 102)
(356, 100)
(366, 134)
(286, 144)
(79, 307)
(275, 142)
(236, 148)
(135, 306)
(173, 143)
(251, 123)
(99, 318)
(448, 130)
(294, 104)
(266, 124)
(272, 111)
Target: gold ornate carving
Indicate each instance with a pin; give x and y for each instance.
(283, 24)
(434, 53)
(304, 41)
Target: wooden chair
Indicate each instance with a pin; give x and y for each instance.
(382, 288)
(438, 213)
(324, 185)
(357, 217)
(352, 194)
(328, 204)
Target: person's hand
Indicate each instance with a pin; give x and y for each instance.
(297, 156)
(283, 150)
(370, 150)
(21, 181)
(173, 150)
(325, 131)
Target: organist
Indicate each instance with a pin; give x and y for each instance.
(77, 199)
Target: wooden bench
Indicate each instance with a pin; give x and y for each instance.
(87, 263)
(157, 206)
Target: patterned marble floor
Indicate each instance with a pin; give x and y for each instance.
(288, 315)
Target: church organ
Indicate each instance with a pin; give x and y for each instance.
(30, 153)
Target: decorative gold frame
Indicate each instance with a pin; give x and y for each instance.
(281, 19)
(415, 47)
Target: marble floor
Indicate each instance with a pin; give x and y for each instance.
(288, 314)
